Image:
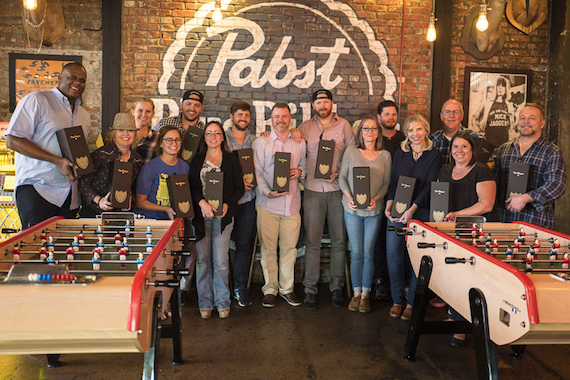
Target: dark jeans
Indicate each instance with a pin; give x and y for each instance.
(242, 235)
(33, 208)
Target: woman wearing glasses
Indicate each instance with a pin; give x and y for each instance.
(416, 158)
(153, 200)
(363, 225)
(213, 232)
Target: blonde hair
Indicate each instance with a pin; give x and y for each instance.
(417, 118)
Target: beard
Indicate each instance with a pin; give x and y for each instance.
(389, 126)
(239, 128)
(323, 114)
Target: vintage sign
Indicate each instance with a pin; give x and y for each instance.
(271, 52)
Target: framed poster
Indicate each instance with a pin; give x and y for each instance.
(34, 72)
(493, 100)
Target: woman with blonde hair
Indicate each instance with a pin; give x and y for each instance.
(416, 158)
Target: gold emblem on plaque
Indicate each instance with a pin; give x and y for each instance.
(361, 198)
(248, 178)
(281, 181)
(324, 169)
(82, 162)
(184, 206)
(215, 203)
(186, 154)
(120, 196)
(438, 216)
(401, 207)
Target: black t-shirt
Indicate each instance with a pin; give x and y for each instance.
(464, 190)
(393, 143)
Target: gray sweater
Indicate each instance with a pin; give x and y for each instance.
(380, 168)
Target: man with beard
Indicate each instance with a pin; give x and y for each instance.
(278, 214)
(45, 185)
(547, 180)
(322, 199)
(239, 137)
(192, 105)
(451, 115)
(387, 115)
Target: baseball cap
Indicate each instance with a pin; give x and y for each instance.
(319, 94)
(193, 95)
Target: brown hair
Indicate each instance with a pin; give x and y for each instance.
(465, 136)
(163, 131)
(360, 140)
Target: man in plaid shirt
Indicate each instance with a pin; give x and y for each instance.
(191, 106)
(547, 180)
(451, 115)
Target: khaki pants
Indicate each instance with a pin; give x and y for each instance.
(273, 229)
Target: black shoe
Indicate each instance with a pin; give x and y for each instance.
(458, 343)
(337, 299)
(183, 297)
(268, 300)
(382, 293)
(242, 297)
(310, 301)
(291, 299)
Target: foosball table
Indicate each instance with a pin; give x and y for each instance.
(509, 280)
(90, 286)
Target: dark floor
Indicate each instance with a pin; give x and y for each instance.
(295, 343)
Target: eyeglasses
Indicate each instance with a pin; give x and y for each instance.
(366, 129)
(210, 134)
(448, 112)
(170, 141)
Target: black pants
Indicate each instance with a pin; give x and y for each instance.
(33, 208)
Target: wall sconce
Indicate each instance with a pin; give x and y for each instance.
(431, 34)
(482, 23)
(217, 15)
(30, 4)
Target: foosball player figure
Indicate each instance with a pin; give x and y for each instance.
(75, 244)
(481, 233)
(565, 261)
(495, 247)
(488, 251)
(149, 244)
(96, 260)
(474, 243)
(81, 237)
(123, 252)
(473, 230)
(488, 240)
(148, 232)
(522, 235)
(43, 252)
(125, 243)
(43, 236)
(127, 227)
(50, 244)
(50, 259)
(552, 257)
(16, 252)
(516, 246)
(556, 245)
(140, 260)
(536, 246)
(528, 263)
(457, 236)
(100, 243)
(99, 230)
(509, 253)
(118, 239)
(70, 252)
(532, 251)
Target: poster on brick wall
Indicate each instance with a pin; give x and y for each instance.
(494, 99)
(269, 52)
(34, 72)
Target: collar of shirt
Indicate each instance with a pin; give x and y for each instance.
(273, 136)
(235, 145)
(65, 100)
(317, 122)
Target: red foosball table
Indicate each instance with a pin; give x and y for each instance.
(509, 280)
(70, 286)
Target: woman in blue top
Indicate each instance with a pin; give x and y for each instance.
(416, 159)
(153, 200)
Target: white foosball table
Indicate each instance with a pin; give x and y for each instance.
(510, 296)
(69, 301)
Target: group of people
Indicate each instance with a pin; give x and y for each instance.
(378, 257)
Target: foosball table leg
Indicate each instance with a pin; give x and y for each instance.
(485, 349)
(151, 356)
(176, 334)
(518, 351)
(419, 310)
(53, 360)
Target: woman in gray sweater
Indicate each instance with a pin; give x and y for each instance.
(363, 225)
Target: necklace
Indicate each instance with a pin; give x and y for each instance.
(416, 155)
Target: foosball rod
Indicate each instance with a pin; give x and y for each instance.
(38, 261)
(107, 226)
(85, 253)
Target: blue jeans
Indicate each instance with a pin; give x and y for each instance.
(362, 233)
(242, 235)
(399, 265)
(212, 266)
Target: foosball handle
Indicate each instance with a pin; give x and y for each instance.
(167, 283)
(423, 245)
(178, 272)
(404, 233)
(456, 260)
(180, 253)
(9, 230)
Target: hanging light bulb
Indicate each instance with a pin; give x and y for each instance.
(482, 23)
(30, 4)
(217, 15)
(431, 34)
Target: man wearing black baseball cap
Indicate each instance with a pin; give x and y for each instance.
(191, 106)
(322, 199)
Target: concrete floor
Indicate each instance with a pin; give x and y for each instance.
(294, 343)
